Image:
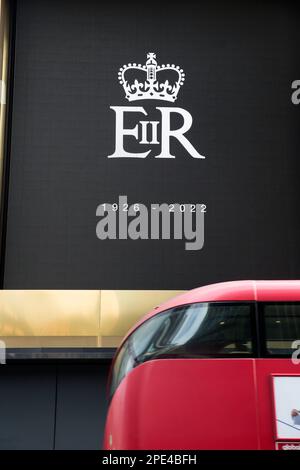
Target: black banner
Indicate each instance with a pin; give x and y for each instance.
(216, 130)
(136, 459)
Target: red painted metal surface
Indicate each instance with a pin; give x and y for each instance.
(185, 404)
(202, 403)
(196, 404)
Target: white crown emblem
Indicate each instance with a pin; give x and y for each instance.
(150, 87)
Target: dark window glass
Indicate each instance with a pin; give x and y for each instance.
(191, 331)
(282, 327)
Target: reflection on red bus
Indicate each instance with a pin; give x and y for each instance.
(211, 369)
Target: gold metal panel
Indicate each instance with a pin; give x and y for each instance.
(73, 318)
(49, 312)
(120, 309)
(51, 341)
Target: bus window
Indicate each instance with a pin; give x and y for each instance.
(282, 327)
(190, 331)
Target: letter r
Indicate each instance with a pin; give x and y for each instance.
(166, 132)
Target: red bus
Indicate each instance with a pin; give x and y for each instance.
(214, 368)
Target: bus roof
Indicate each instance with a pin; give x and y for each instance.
(233, 291)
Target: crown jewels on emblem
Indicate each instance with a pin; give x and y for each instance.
(156, 82)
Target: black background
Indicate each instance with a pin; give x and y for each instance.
(239, 58)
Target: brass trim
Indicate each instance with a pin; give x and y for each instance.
(4, 60)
